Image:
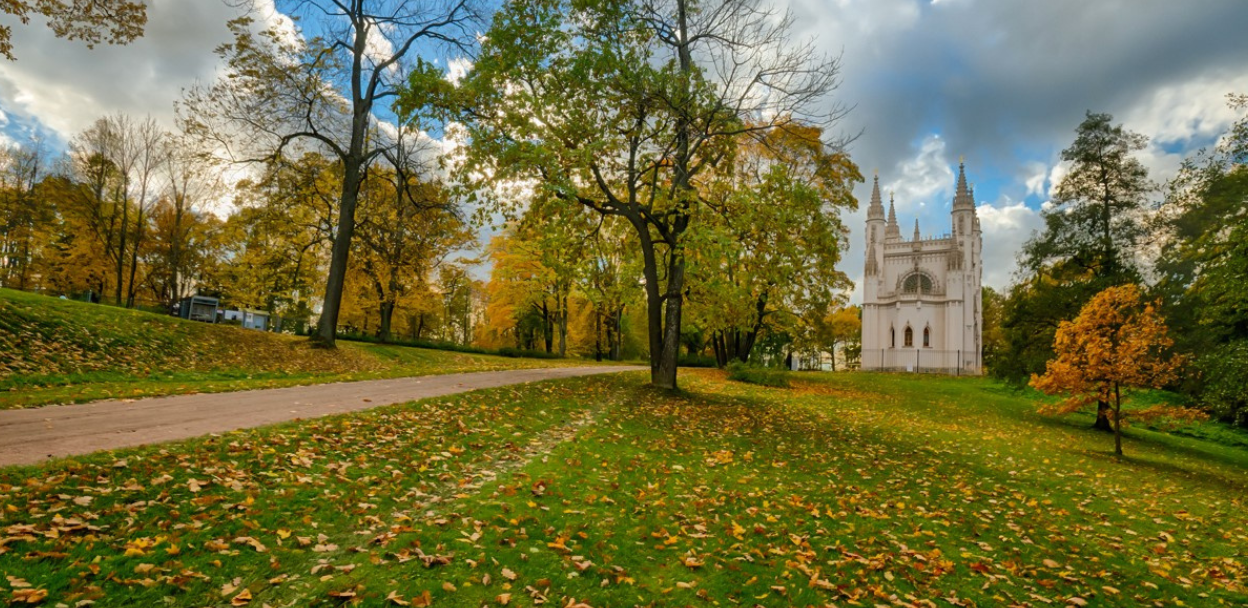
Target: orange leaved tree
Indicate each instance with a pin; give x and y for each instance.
(1117, 342)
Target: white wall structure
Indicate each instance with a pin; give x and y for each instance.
(922, 308)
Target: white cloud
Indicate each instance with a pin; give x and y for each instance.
(1185, 111)
(927, 176)
(457, 68)
(1006, 226)
(1035, 177)
(66, 86)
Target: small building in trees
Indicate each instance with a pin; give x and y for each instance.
(198, 308)
(921, 306)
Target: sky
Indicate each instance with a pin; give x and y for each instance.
(1002, 83)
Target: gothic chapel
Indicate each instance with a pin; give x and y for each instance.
(922, 308)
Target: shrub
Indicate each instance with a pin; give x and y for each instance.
(696, 361)
(758, 375)
(508, 351)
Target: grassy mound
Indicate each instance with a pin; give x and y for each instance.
(846, 490)
(49, 337)
(54, 350)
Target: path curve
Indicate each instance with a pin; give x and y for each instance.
(33, 435)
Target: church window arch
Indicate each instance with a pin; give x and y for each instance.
(909, 337)
(892, 337)
(917, 282)
(927, 337)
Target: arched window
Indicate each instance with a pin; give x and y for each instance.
(892, 337)
(909, 336)
(917, 283)
(927, 337)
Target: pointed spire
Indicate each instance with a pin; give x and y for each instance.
(916, 229)
(876, 210)
(891, 231)
(965, 197)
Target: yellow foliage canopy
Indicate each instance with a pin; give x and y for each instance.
(1117, 341)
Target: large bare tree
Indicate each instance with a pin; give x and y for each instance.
(321, 86)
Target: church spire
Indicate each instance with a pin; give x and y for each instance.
(916, 229)
(965, 197)
(876, 210)
(892, 231)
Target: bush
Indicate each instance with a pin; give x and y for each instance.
(696, 361)
(506, 351)
(758, 375)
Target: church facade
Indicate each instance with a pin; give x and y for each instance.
(922, 304)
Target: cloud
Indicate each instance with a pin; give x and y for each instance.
(65, 86)
(927, 176)
(1006, 226)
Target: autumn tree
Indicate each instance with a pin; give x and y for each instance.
(771, 241)
(1089, 242)
(1117, 343)
(183, 230)
(325, 92)
(23, 216)
(528, 290)
(117, 159)
(111, 21)
(461, 298)
(622, 106)
(407, 226)
(279, 236)
(606, 279)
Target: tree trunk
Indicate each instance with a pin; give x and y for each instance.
(1102, 417)
(121, 250)
(134, 256)
(615, 340)
(327, 325)
(548, 328)
(1117, 422)
(664, 376)
(597, 334)
(563, 325)
(721, 352)
(386, 310)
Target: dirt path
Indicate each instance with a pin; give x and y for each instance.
(31, 436)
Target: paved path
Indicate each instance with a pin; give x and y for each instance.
(32, 435)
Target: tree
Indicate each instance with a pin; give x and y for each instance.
(528, 291)
(23, 216)
(604, 280)
(111, 21)
(1091, 234)
(623, 106)
(1117, 343)
(993, 332)
(1202, 267)
(183, 232)
(407, 227)
(324, 92)
(278, 237)
(768, 250)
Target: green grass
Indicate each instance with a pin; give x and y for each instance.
(61, 351)
(846, 489)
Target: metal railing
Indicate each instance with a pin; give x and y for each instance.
(921, 360)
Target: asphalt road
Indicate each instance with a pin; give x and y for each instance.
(30, 436)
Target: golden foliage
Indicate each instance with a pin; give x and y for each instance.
(1118, 341)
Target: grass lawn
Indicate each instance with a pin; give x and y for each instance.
(60, 351)
(845, 489)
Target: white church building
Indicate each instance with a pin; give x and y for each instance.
(922, 308)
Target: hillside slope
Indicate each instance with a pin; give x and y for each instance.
(54, 350)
